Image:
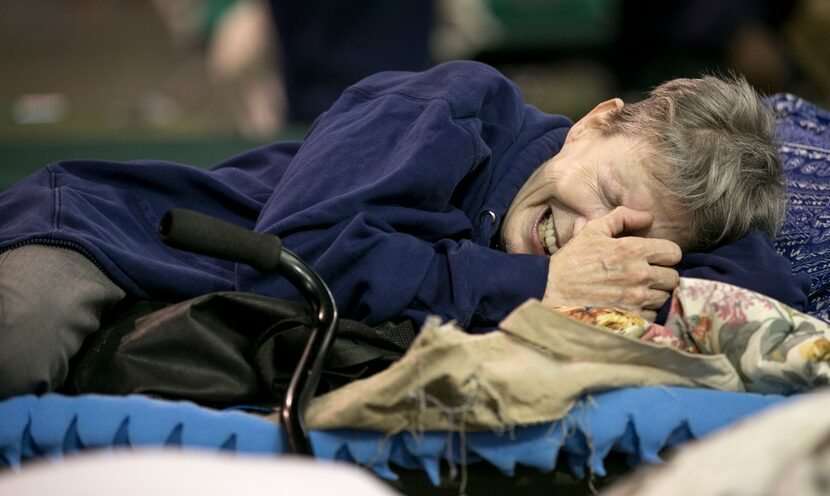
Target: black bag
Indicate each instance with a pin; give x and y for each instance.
(224, 349)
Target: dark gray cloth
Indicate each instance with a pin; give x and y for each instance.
(50, 300)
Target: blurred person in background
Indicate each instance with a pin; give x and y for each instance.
(661, 40)
(289, 60)
(239, 47)
(328, 45)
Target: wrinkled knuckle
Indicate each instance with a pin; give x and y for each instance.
(625, 243)
(612, 262)
(633, 247)
(624, 247)
(640, 275)
(617, 297)
(636, 297)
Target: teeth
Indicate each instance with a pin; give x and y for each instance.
(547, 234)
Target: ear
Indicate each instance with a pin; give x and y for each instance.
(594, 118)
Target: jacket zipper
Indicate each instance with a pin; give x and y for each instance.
(59, 243)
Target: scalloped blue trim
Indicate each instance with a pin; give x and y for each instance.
(639, 422)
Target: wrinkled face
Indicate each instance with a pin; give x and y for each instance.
(592, 175)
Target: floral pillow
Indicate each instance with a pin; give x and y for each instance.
(775, 349)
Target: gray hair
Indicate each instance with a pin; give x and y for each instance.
(715, 149)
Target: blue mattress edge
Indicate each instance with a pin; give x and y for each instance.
(639, 422)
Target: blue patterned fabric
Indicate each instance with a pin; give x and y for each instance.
(804, 131)
(636, 421)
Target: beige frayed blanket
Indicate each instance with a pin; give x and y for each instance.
(532, 370)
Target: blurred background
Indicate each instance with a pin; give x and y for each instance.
(196, 81)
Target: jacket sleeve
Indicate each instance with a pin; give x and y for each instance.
(373, 200)
(751, 263)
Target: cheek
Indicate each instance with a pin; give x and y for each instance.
(579, 194)
(511, 237)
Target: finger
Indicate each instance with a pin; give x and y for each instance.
(649, 315)
(620, 220)
(662, 252)
(655, 299)
(664, 278)
(644, 299)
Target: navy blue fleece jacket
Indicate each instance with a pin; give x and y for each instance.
(395, 197)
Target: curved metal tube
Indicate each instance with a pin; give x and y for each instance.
(199, 233)
(307, 374)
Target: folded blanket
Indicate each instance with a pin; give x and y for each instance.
(531, 370)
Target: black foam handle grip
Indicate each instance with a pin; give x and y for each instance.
(205, 235)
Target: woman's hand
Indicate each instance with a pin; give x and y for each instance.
(597, 269)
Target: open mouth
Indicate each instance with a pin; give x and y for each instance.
(547, 233)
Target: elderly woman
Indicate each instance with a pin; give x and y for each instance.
(439, 192)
